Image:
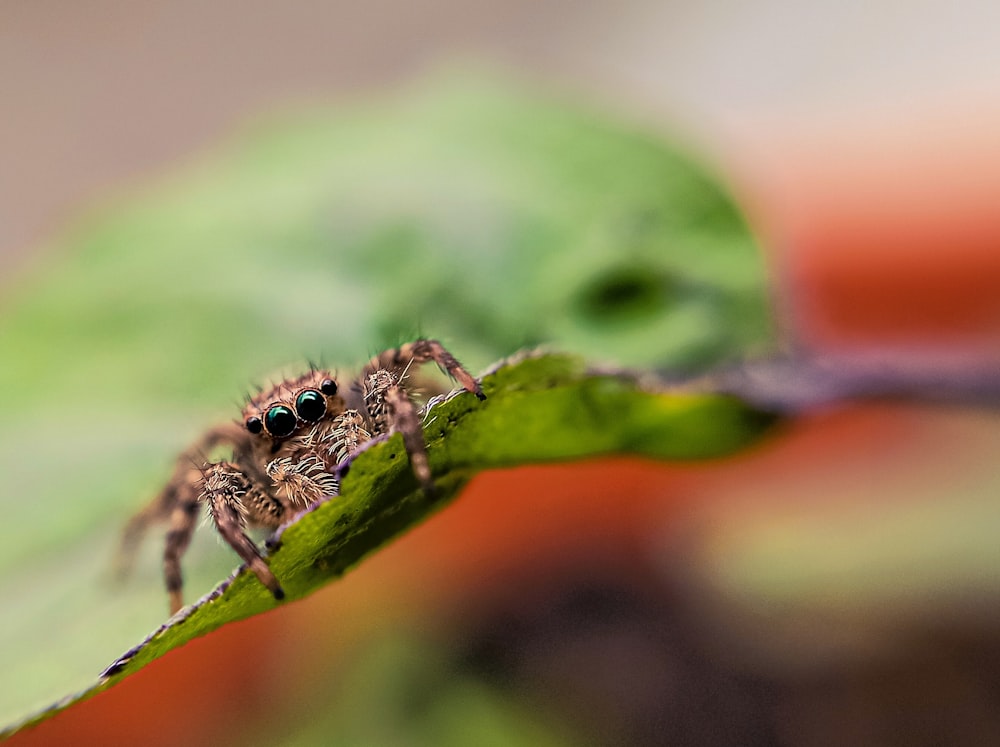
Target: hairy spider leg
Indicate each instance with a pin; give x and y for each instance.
(183, 520)
(347, 436)
(187, 473)
(228, 493)
(406, 420)
(391, 409)
(419, 352)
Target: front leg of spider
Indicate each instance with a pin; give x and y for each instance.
(232, 498)
(390, 406)
(399, 360)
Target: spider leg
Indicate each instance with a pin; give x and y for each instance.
(406, 421)
(232, 498)
(422, 351)
(183, 518)
(175, 493)
(391, 409)
(345, 439)
(135, 530)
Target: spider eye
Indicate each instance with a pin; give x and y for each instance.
(328, 387)
(254, 425)
(280, 421)
(310, 405)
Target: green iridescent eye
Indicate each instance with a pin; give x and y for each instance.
(310, 405)
(280, 421)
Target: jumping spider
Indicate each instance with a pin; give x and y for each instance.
(285, 452)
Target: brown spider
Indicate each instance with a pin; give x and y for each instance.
(285, 452)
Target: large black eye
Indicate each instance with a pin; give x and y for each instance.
(328, 387)
(280, 421)
(254, 425)
(310, 405)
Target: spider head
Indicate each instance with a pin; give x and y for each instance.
(292, 405)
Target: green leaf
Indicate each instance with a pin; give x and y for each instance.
(537, 409)
(473, 211)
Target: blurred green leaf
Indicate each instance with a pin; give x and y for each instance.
(475, 212)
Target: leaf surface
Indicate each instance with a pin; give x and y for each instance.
(538, 409)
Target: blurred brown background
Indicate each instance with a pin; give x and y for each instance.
(858, 133)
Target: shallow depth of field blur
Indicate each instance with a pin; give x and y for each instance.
(838, 583)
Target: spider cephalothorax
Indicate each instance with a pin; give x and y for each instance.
(285, 453)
